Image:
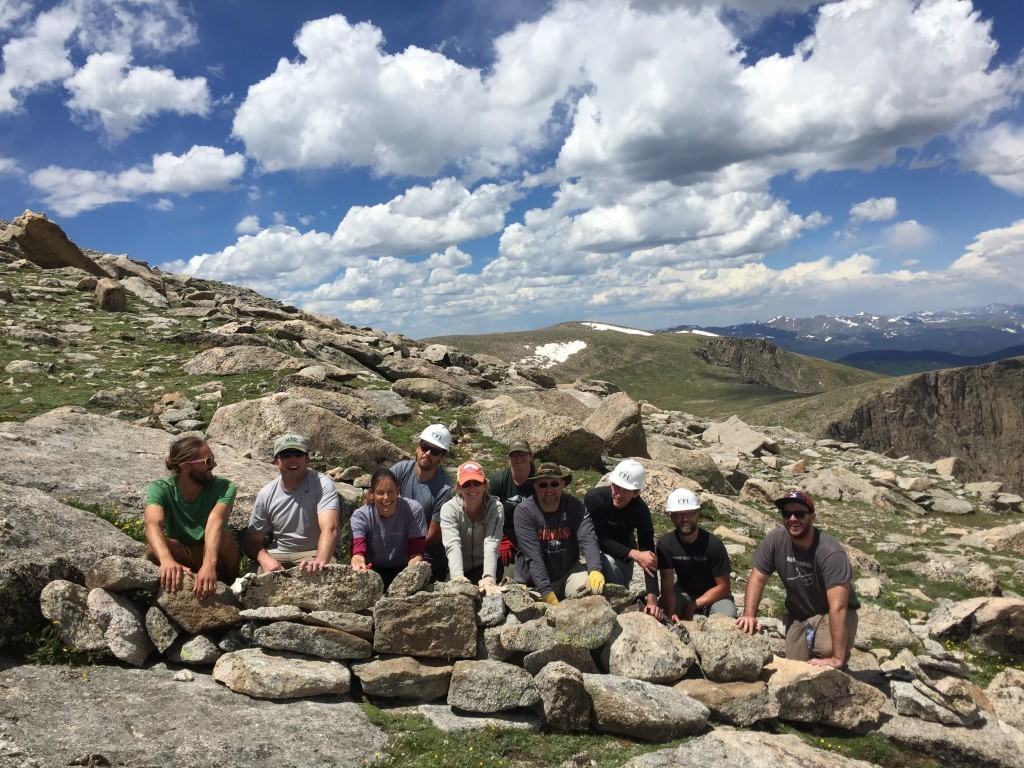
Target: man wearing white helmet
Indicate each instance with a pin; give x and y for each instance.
(624, 529)
(424, 480)
(696, 561)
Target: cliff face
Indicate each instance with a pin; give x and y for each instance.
(976, 414)
(760, 361)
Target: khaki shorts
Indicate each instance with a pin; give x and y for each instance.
(796, 636)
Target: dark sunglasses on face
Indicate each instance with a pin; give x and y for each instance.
(290, 454)
(208, 461)
(433, 450)
(799, 514)
(543, 486)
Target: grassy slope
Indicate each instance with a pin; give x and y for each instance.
(660, 369)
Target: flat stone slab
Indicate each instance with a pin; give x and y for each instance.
(443, 718)
(56, 714)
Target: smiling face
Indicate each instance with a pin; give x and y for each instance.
(384, 496)
(293, 465)
(797, 519)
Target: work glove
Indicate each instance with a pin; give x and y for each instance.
(487, 586)
(596, 582)
(550, 598)
(506, 550)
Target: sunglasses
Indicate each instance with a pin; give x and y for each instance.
(290, 454)
(208, 461)
(799, 514)
(433, 450)
(543, 486)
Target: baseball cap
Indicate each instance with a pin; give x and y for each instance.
(284, 442)
(520, 445)
(801, 497)
(629, 474)
(470, 470)
(682, 500)
(437, 434)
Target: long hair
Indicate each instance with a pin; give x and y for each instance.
(183, 449)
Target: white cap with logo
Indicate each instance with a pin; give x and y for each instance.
(682, 500)
(437, 434)
(629, 474)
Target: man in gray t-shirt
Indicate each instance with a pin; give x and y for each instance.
(821, 606)
(295, 517)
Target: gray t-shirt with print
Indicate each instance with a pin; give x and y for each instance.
(292, 517)
(387, 538)
(807, 574)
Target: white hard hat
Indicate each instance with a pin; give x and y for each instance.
(629, 474)
(682, 500)
(437, 434)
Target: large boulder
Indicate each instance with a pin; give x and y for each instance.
(335, 588)
(44, 243)
(248, 425)
(145, 291)
(810, 694)
(42, 540)
(730, 748)
(990, 624)
(431, 391)
(741, 704)
(564, 703)
(642, 648)
(486, 687)
(728, 655)
(426, 624)
(403, 677)
(221, 361)
(120, 574)
(1006, 693)
(845, 485)
(1004, 538)
(102, 461)
(586, 621)
(617, 422)
(65, 604)
(123, 626)
(693, 464)
(280, 676)
(993, 745)
(642, 710)
(323, 642)
(734, 435)
(111, 296)
(114, 715)
(528, 637)
(552, 437)
(880, 628)
(195, 615)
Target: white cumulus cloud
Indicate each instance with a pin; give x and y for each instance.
(248, 225)
(108, 90)
(908, 235)
(69, 191)
(37, 58)
(998, 153)
(874, 209)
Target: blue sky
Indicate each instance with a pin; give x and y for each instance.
(447, 167)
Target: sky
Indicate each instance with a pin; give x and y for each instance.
(460, 166)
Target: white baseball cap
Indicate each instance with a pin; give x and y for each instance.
(682, 500)
(437, 434)
(629, 474)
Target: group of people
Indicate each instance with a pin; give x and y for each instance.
(520, 525)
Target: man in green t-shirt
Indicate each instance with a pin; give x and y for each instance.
(185, 516)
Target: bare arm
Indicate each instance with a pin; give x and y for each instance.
(254, 545)
(206, 579)
(171, 571)
(722, 588)
(327, 542)
(751, 600)
(838, 605)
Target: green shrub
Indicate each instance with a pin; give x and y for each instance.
(131, 525)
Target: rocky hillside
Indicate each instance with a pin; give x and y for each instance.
(761, 362)
(103, 369)
(973, 413)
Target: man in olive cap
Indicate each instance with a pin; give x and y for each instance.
(295, 514)
(511, 486)
(551, 527)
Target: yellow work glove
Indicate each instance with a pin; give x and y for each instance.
(550, 598)
(596, 582)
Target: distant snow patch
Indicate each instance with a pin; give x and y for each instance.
(604, 327)
(1010, 330)
(696, 332)
(548, 355)
(828, 338)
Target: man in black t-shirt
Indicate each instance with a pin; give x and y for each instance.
(622, 521)
(512, 486)
(697, 560)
